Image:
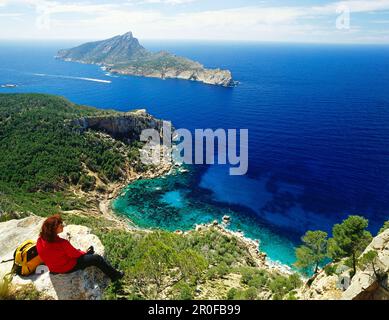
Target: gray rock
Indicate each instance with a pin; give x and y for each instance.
(126, 127)
(364, 284)
(226, 219)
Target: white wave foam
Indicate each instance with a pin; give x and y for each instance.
(111, 75)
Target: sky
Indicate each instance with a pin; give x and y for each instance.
(318, 21)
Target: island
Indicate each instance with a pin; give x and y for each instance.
(125, 55)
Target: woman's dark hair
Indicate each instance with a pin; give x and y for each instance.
(49, 228)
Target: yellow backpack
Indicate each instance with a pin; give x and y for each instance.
(26, 259)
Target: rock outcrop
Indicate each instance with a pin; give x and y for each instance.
(363, 286)
(208, 76)
(85, 284)
(322, 288)
(124, 55)
(126, 126)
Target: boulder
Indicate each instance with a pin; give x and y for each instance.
(12, 234)
(199, 227)
(323, 287)
(226, 219)
(85, 284)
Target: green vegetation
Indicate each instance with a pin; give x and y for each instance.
(384, 227)
(284, 286)
(161, 61)
(5, 287)
(349, 240)
(165, 265)
(369, 259)
(263, 284)
(43, 154)
(330, 269)
(162, 264)
(313, 252)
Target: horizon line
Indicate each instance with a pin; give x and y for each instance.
(84, 40)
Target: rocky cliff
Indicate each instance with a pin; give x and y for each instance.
(123, 126)
(85, 284)
(363, 286)
(207, 76)
(124, 55)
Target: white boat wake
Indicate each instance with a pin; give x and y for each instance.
(70, 77)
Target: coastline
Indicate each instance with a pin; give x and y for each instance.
(114, 189)
(213, 77)
(253, 246)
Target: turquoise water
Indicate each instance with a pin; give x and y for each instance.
(175, 199)
(167, 203)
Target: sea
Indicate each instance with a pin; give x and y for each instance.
(318, 123)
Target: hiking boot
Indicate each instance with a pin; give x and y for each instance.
(119, 275)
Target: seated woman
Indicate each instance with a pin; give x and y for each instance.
(61, 257)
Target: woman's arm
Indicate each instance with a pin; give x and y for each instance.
(71, 251)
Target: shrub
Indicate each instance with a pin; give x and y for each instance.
(5, 288)
(250, 294)
(254, 277)
(87, 182)
(231, 293)
(155, 261)
(280, 285)
(384, 227)
(184, 291)
(219, 271)
(330, 269)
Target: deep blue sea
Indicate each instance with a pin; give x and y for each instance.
(318, 120)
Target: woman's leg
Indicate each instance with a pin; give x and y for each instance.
(95, 260)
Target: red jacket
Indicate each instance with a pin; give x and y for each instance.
(59, 256)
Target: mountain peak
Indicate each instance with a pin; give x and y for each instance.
(128, 35)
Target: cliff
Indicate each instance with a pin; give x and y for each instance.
(123, 126)
(124, 55)
(363, 286)
(52, 145)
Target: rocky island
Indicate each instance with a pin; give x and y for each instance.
(124, 55)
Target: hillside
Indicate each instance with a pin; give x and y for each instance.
(61, 157)
(204, 264)
(48, 162)
(124, 55)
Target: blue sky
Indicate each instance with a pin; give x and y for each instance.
(349, 21)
